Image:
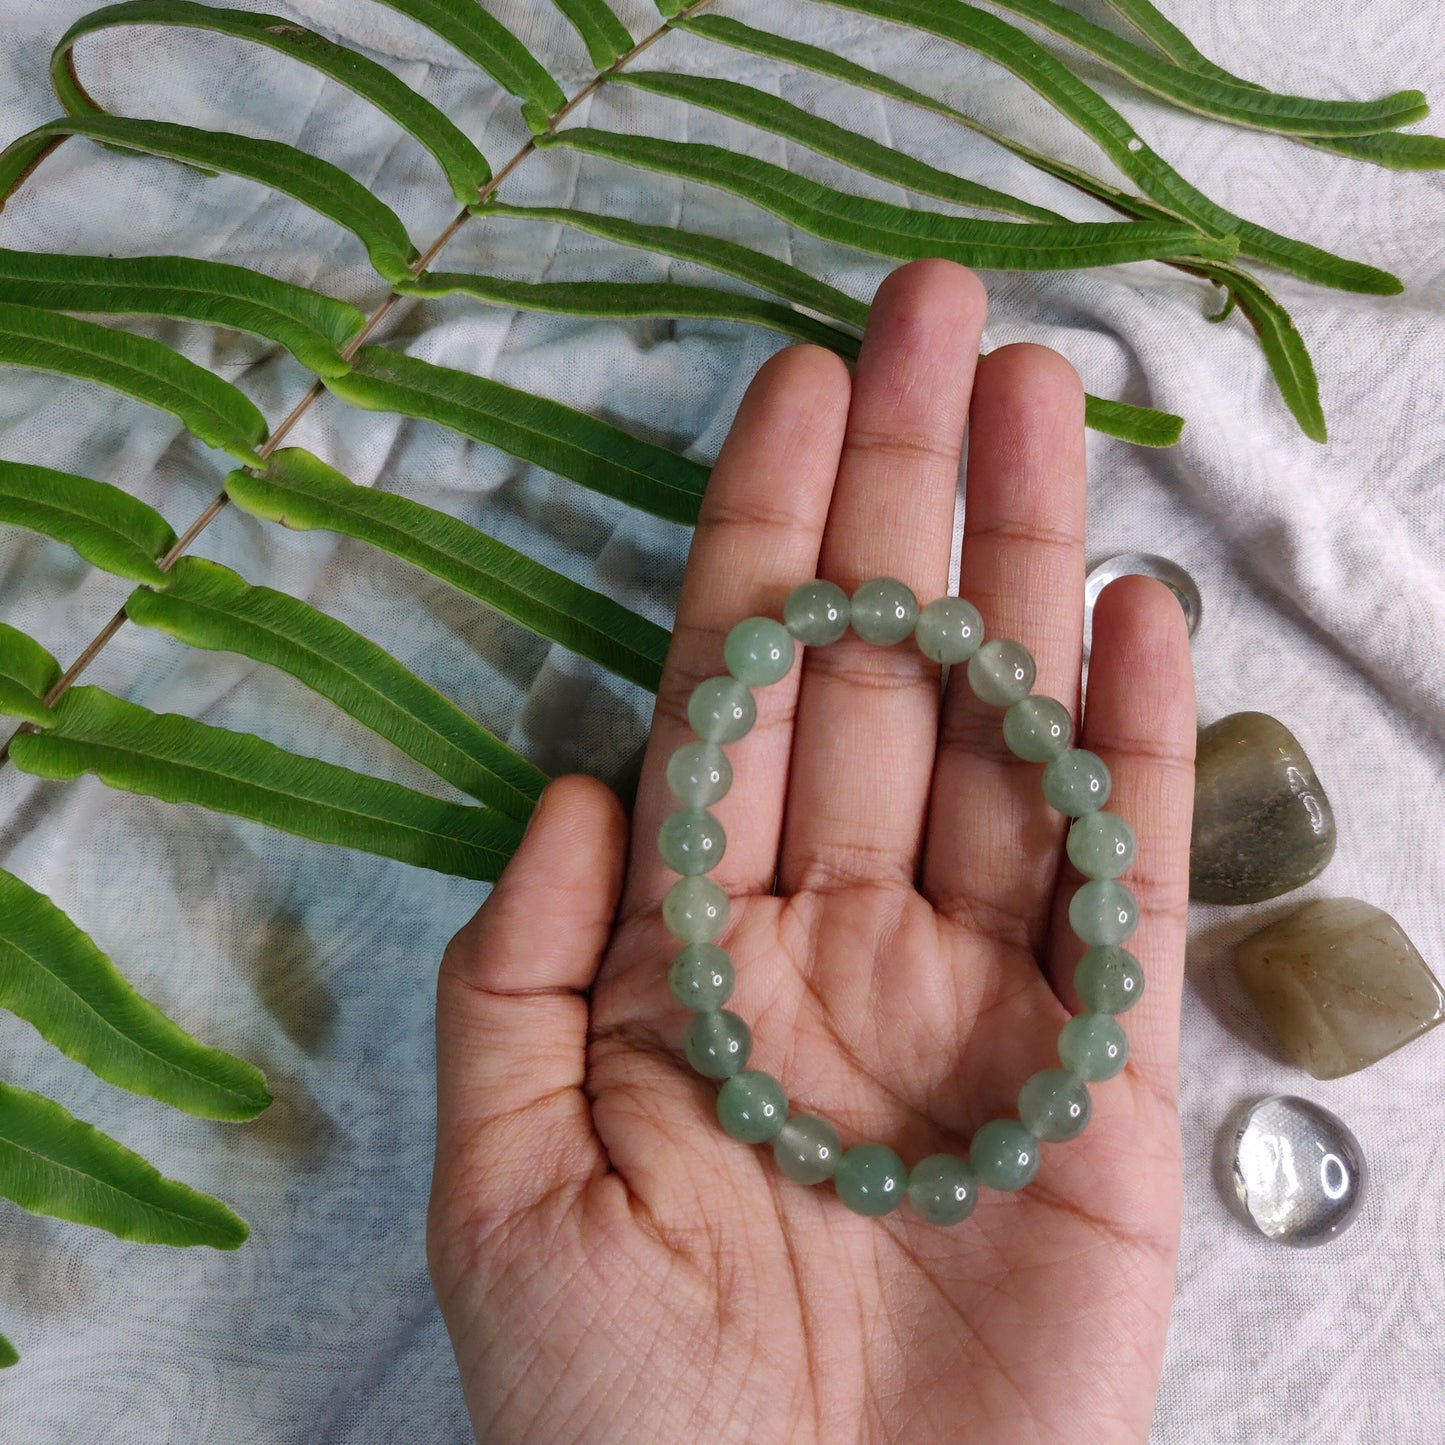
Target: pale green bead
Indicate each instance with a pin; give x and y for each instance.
(699, 774)
(871, 1179)
(1101, 845)
(695, 910)
(949, 630)
(884, 611)
(1004, 1155)
(807, 1149)
(721, 710)
(1093, 1046)
(1037, 728)
(1054, 1105)
(1001, 672)
(718, 1044)
(817, 613)
(752, 1107)
(942, 1189)
(758, 651)
(701, 977)
(1108, 980)
(1102, 911)
(691, 841)
(1077, 782)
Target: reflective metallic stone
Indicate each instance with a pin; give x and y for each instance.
(1142, 564)
(1262, 823)
(1340, 985)
(1296, 1171)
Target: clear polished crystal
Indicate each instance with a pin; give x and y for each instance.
(699, 774)
(752, 1107)
(1101, 845)
(1141, 564)
(1001, 672)
(942, 1189)
(1077, 782)
(884, 611)
(758, 651)
(1297, 1172)
(949, 630)
(817, 612)
(721, 710)
(1037, 728)
(807, 1149)
(701, 977)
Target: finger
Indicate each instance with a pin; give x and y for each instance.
(868, 715)
(512, 1121)
(1140, 719)
(993, 844)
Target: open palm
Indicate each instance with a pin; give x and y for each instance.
(611, 1266)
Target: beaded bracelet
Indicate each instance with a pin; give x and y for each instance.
(1054, 1104)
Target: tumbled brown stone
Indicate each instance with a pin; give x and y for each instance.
(1340, 985)
(1262, 823)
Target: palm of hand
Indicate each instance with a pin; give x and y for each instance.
(613, 1267)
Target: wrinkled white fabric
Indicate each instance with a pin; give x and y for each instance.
(1321, 570)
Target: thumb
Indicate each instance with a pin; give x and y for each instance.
(513, 1124)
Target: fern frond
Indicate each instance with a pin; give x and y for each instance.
(27, 673)
(606, 37)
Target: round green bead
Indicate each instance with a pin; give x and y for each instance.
(942, 1189)
(752, 1107)
(701, 977)
(871, 1179)
(1001, 672)
(1102, 911)
(1004, 1155)
(1093, 1046)
(758, 651)
(817, 613)
(695, 910)
(721, 710)
(807, 1149)
(718, 1044)
(884, 611)
(699, 774)
(1077, 782)
(1101, 845)
(691, 841)
(1037, 728)
(949, 630)
(1108, 980)
(1054, 1105)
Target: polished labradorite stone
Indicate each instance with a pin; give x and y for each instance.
(817, 613)
(695, 910)
(1054, 1105)
(871, 1179)
(752, 1107)
(1037, 728)
(718, 1043)
(721, 710)
(1262, 822)
(949, 630)
(942, 1189)
(807, 1149)
(691, 841)
(1077, 782)
(1102, 911)
(1001, 672)
(758, 651)
(699, 774)
(884, 611)
(1004, 1155)
(1108, 980)
(701, 977)
(1093, 1046)
(1101, 845)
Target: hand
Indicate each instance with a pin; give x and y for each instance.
(611, 1266)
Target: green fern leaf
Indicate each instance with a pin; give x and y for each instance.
(300, 491)
(462, 163)
(212, 409)
(27, 673)
(531, 427)
(895, 231)
(182, 761)
(53, 976)
(323, 187)
(9, 1355)
(207, 605)
(53, 1163)
(606, 37)
(1141, 425)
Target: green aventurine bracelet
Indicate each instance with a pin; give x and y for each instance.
(1054, 1104)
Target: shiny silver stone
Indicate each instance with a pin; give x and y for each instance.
(1296, 1171)
(1142, 564)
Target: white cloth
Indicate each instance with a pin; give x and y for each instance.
(1324, 604)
